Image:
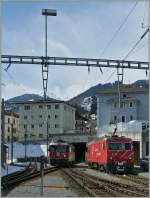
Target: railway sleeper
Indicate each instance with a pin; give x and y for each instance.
(82, 184)
(110, 183)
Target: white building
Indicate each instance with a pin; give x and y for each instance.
(134, 105)
(36, 117)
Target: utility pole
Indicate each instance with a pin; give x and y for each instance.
(47, 138)
(12, 148)
(2, 131)
(46, 12)
(25, 144)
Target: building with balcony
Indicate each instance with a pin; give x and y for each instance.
(39, 117)
(134, 105)
(11, 126)
(127, 113)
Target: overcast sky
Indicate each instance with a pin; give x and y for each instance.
(80, 29)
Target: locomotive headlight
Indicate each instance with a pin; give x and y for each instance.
(130, 158)
(110, 158)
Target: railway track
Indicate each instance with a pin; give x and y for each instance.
(92, 185)
(104, 187)
(136, 179)
(12, 180)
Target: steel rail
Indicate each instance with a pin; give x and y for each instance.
(136, 179)
(26, 176)
(88, 190)
(111, 186)
(82, 62)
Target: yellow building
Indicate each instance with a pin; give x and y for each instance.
(11, 123)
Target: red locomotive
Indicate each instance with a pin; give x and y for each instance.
(111, 154)
(61, 153)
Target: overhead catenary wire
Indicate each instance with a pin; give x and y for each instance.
(134, 46)
(119, 28)
(144, 13)
(117, 31)
(129, 53)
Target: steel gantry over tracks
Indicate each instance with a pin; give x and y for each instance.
(64, 61)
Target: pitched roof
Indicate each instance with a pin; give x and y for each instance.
(124, 89)
(50, 101)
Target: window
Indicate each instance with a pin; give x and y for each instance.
(25, 126)
(27, 107)
(49, 116)
(131, 104)
(56, 116)
(115, 146)
(48, 106)
(32, 126)
(115, 105)
(8, 138)
(8, 129)
(56, 106)
(115, 118)
(127, 146)
(131, 117)
(48, 125)
(123, 118)
(124, 95)
(32, 116)
(147, 148)
(14, 121)
(14, 130)
(40, 116)
(40, 106)
(56, 125)
(40, 135)
(25, 117)
(8, 120)
(122, 104)
(40, 125)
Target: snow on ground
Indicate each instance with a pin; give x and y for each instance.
(33, 150)
(10, 169)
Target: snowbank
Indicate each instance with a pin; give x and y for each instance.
(10, 169)
(33, 150)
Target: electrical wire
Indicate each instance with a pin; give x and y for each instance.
(117, 31)
(111, 75)
(144, 13)
(134, 46)
(129, 53)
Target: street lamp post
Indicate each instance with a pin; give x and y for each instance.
(12, 141)
(46, 12)
(25, 146)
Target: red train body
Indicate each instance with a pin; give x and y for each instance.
(61, 154)
(111, 154)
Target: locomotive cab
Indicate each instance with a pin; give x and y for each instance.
(111, 154)
(120, 155)
(61, 154)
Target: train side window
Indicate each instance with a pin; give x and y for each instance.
(127, 146)
(52, 148)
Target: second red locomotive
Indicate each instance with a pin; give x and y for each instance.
(111, 154)
(61, 153)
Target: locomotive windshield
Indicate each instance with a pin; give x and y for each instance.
(127, 146)
(119, 146)
(59, 148)
(115, 146)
